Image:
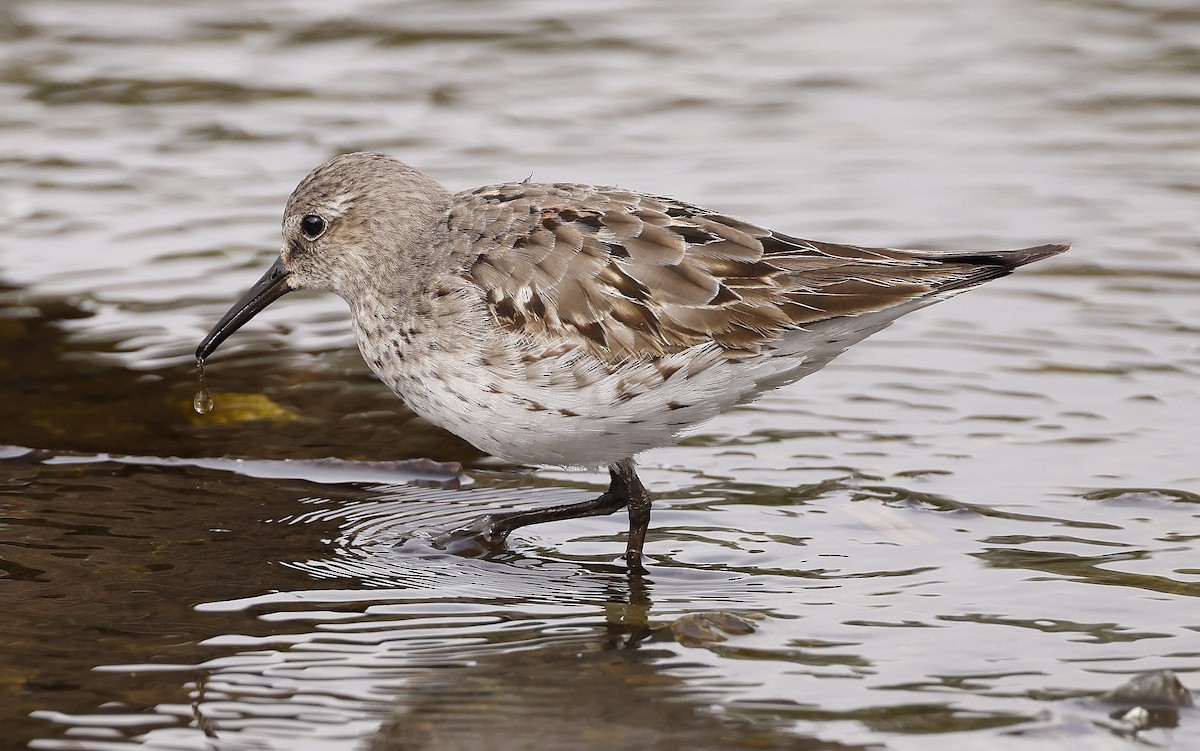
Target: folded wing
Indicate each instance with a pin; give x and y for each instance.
(633, 276)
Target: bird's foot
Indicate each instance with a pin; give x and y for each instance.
(483, 532)
(633, 559)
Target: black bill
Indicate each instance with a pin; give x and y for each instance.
(272, 286)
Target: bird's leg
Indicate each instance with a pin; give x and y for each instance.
(624, 474)
(624, 489)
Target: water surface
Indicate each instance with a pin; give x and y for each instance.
(960, 534)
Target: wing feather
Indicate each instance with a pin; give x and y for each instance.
(634, 276)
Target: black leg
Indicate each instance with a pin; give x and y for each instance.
(624, 489)
(638, 501)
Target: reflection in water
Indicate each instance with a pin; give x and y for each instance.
(571, 693)
(960, 536)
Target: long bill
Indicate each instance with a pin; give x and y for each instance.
(272, 286)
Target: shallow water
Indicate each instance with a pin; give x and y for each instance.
(958, 535)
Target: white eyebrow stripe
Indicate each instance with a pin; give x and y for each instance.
(337, 206)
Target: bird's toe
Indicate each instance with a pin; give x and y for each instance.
(484, 532)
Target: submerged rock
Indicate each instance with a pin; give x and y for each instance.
(699, 629)
(1150, 700)
(1159, 689)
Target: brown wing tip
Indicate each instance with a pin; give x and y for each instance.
(1015, 258)
(1003, 260)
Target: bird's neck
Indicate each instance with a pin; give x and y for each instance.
(398, 284)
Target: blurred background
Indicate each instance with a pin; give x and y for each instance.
(959, 534)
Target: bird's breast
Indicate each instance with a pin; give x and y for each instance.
(532, 403)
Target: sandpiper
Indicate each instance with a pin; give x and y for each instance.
(576, 325)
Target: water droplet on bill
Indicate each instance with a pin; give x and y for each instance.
(203, 401)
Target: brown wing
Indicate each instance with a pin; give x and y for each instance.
(636, 275)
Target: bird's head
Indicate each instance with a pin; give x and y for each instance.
(357, 224)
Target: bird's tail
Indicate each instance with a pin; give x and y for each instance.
(1005, 259)
(983, 266)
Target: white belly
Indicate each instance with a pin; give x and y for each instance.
(565, 407)
(557, 420)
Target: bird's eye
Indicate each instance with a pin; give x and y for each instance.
(312, 226)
